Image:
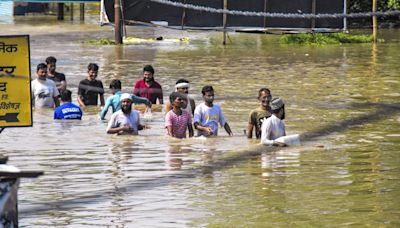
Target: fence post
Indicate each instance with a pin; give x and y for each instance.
(224, 20)
(117, 22)
(374, 21)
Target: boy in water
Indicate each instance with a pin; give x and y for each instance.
(178, 120)
(207, 115)
(114, 102)
(90, 89)
(257, 115)
(68, 110)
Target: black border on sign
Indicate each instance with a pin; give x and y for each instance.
(30, 81)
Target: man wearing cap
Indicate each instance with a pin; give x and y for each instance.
(148, 87)
(126, 120)
(182, 86)
(274, 126)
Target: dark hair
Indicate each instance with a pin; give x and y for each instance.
(148, 68)
(207, 89)
(266, 90)
(115, 84)
(174, 95)
(51, 60)
(41, 66)
(93, 66)
(182, 81)
(66, 95)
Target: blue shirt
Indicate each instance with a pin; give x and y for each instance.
(68, 111)
(114, 102)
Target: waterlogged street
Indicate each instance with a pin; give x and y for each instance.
(342, 99)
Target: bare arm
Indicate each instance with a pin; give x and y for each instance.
(228, 129)
(56, 101)
(102, 99)
(124, 129)
(190, 127)
(207, 130)
(80, 101)
(192, 104)
(169, 131)
(249, 132)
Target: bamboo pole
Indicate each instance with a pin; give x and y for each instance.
(72, 11)
(82, 11)
(313, 10)
(117, 21)
(224, 21)
(60, 11)
(374, 21)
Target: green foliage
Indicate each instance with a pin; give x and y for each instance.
(366, 6)
(100, 42)
(325, 38)
(393, 4)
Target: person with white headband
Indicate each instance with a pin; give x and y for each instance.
(182, 86)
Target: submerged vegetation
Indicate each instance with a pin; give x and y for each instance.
(100, 42)
(326, 38)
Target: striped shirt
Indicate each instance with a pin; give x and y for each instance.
(178, 123)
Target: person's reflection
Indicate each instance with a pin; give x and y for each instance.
(278, 163)
(121, 154)
(174, 156)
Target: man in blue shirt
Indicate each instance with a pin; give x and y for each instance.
(68, 110)
(114, 102)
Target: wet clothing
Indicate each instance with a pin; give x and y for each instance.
(179, 123)
(68, 111)
(209, 117)
(271, 129)
(152, 93)
(44, 92)
(119, 119)
(114, 102)
(58, 77)
(256, 117)
(90, 91)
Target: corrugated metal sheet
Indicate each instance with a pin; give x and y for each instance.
(6, 8)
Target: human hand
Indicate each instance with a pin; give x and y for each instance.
(209, 131)
(280, 144)
(127, 128)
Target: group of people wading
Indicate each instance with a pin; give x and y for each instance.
(50, 88)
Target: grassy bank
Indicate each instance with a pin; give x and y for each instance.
(326, 38)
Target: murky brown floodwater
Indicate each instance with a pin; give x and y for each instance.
(344, 97)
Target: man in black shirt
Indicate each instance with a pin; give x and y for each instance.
(90, 89)
(58, 78)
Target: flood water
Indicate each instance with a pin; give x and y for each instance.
(342, 99)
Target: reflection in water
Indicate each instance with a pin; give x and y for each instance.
(342, 97)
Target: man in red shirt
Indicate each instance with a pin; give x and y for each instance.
(148, 87)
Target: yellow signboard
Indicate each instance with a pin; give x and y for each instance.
(15, 83)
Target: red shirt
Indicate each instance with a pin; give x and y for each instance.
(152, 93)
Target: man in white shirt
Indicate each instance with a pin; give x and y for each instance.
(44, 91)
(274, 126)
(125, 121)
